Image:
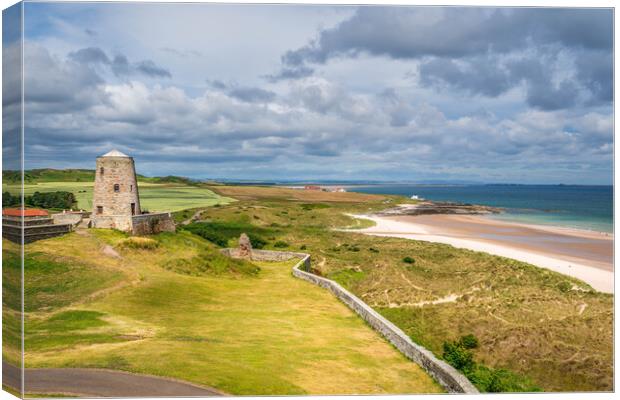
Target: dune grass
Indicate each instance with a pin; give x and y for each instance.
(243, 333)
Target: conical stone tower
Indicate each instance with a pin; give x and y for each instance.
(116, 199)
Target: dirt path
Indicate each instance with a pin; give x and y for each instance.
(193, 217)
(100, 383)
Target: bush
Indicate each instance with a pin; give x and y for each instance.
(469, 341)
(8, 200)
(373, 250)
(138, 242)
(220, 233)
(565, 286)
(313, 206)
(408, 260)
(280, 244)
(458, 354)
(58, 200)
(303, 247)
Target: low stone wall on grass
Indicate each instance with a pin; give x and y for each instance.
(446, 375)
(150, 224)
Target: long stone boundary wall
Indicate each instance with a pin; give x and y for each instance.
(447, 376)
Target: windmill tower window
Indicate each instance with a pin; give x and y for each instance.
(117, 187)
(101, 170)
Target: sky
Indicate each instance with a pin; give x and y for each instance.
(277, 92)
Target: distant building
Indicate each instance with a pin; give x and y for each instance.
(312, 187)
(116, 199)
(24, 212)
(30, 224)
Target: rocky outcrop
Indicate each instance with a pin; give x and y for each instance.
(435, 207)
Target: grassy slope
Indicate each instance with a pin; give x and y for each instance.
(532, 321)
(245, 334)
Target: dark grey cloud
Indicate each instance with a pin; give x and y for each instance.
(595, 69)
(477, 50)
(252, 94)
(119, 65)
(479, 75)
(286, 73)
(490, 77)
(149, 68)
(90, 55)
(414, 32)
(542, 92)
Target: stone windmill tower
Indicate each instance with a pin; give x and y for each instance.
(116, 199)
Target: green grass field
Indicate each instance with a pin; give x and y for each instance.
(241, 332)
(153, 196)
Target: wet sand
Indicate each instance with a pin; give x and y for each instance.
(586, 255)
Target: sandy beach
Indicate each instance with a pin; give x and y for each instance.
(585, 255)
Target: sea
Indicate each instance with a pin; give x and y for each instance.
(574, 206)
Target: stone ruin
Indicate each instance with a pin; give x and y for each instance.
(245, 247)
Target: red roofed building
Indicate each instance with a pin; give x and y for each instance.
(312, 187)
(28, 212)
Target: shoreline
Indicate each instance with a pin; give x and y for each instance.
(582, 254)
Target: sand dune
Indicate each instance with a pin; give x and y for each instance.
(585, 255)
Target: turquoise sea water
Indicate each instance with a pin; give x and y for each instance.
(584, 207)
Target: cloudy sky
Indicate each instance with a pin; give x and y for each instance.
(317, 92)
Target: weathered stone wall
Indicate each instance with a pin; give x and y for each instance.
(120, 222)
(448, 377)
(148, 224)
(73, 218)
(264, 255)
(34, 232)
(115, 171)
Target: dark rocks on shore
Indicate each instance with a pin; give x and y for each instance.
(435, 207)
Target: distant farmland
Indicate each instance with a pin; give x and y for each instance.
(153, 196)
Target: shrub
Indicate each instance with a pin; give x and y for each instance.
(313, 206)
(408, 260)
(138, 242)
(469, 341)
(373, 250)
(59, 199)
(280, 244)
(257, 241)
(565, 286)
(8, 200)
(220, 233)
(303, 247)
(458, 354)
